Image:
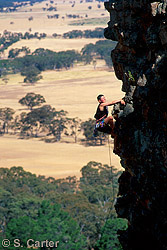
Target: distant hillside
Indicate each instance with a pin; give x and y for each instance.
(12, 3)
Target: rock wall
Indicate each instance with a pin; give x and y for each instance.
(140, 61)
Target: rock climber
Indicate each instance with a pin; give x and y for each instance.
(105, 123)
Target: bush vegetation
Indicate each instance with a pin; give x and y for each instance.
(78, 213)
(8, 38)
(97, 33)
(31, 65)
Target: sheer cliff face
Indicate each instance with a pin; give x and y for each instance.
(140, 61)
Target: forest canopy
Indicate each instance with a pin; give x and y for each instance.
(79, 213)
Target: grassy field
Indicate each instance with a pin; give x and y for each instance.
(74, 90)
(58, 160)
(90, 21)
(18, 21)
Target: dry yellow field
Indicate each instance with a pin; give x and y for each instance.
(74, 90)
(58, 160)
(18, 21)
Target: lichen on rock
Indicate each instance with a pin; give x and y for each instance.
(140, 61)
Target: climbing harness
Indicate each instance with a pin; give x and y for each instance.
(100, 124)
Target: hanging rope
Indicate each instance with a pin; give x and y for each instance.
(109, 148)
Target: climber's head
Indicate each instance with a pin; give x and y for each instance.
(101, 98)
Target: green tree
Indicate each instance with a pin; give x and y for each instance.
(6, 115)
(97, 33)
(56, 127)
(89, 217)
(31, 74)
(88, 131)
(67, 185)
(13, 53)
(15, 124)
(88, 128)
(89, 201)
(31, 66)
(15, 180)
(16, 199)
(74, 127)
(101, 49)
(22, 125)
(5, 199)
(88, 49)
(44, 119)
(73, 34)
(31, 100)
(109, 235)
(99, 184)
(52, 120)
(38, 119)
(52, 224)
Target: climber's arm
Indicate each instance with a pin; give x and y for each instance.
(112, 103)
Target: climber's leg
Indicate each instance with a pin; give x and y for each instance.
(109, 120)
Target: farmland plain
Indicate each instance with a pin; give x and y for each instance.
(72, 90)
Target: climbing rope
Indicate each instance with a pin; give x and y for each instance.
(109, 148)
